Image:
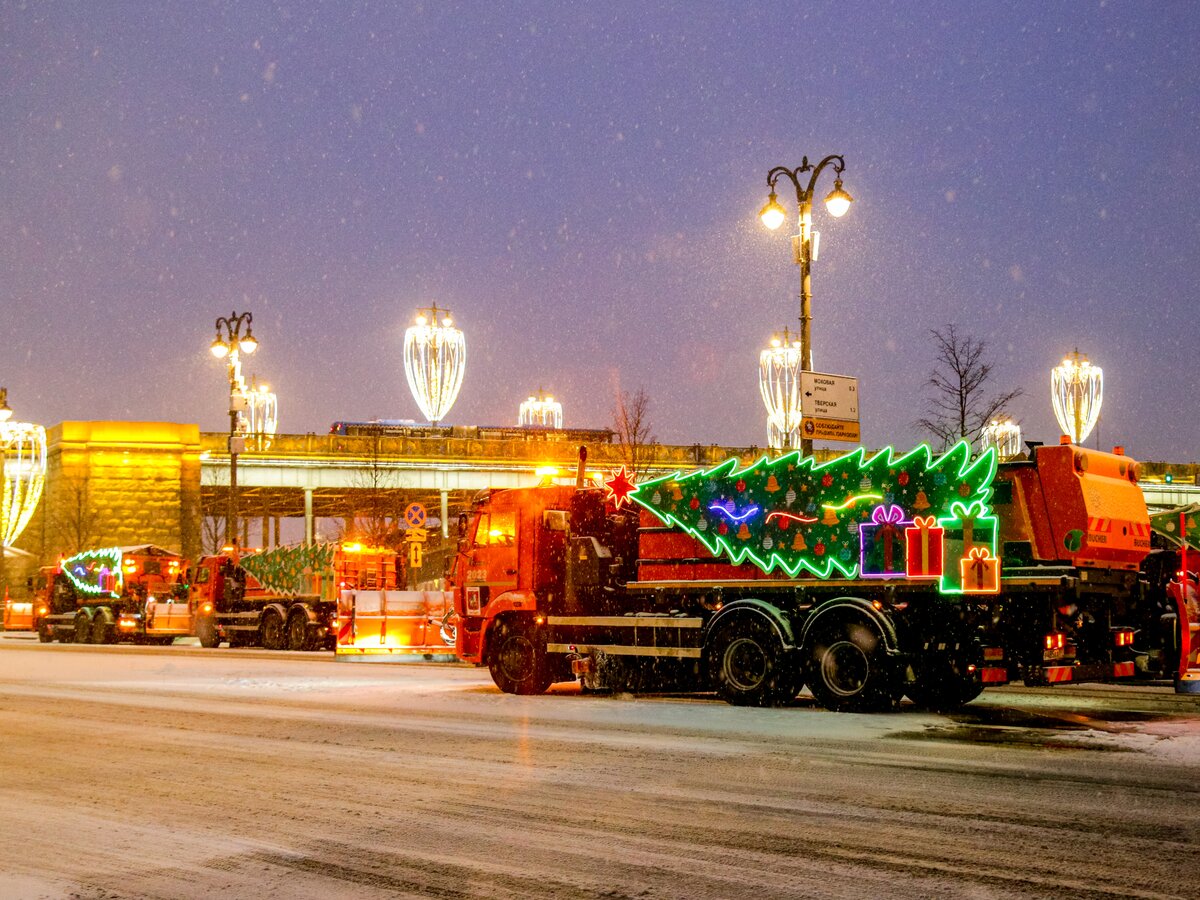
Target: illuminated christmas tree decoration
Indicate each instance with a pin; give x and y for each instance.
(541, 411)
(435, 359)
(96, 572)
(1077, 392)
(22, 472)
(818, 546)
(779, 384)
(1004, 434)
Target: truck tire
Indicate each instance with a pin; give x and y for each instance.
(748, 665)
(206, 631)
(103, 630)
(45, 633)
(299, 635)
(271, 633)
(848, 668)
(517, 658)
(83, 627)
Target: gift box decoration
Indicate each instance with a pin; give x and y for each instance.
(967, 528)
(980, 572)
(923, 548)
(882, 543)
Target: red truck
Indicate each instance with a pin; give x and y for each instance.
(285, 598)
(113, 594)
(865, 579)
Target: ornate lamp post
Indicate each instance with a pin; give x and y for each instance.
(1077, 391)
(779, 383)
(435, 359)
(22, 476)
(804, 242)
(228, 344)
(542, 411)
(1003, 434)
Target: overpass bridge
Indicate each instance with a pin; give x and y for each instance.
(317, 476)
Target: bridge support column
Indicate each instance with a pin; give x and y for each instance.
(445, 513)
(308, 516)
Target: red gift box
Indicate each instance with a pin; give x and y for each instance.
(923, 548)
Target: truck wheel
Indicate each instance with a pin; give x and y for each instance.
(748, 664)
(45, 633)
(103, 631)
(83, 627)
(206, 631)
(848, 668)
(298, 634)
(271, 632)
(517, 659)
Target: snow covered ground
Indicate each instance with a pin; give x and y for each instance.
(167, 772)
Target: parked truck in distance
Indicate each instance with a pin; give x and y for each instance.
(113, 594)
(865, 579)
(284, 598)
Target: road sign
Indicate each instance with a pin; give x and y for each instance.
(829, 396)
(415, 515)
(829, 430)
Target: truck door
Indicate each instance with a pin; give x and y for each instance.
(492, 561)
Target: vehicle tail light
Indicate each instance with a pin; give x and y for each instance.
(1056, 641)
(1123, 637)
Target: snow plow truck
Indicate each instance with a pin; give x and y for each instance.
(864, 578)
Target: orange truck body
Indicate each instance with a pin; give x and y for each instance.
(554, 583)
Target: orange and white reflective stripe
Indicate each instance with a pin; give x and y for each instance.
(1057, 674)
(993, 675)
(1123, 669)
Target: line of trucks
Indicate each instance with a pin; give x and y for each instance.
(863, 578)
(285, 598)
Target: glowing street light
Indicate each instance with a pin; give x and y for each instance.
(1004, 434)
(542, 411)
(22, 474)
(804, 242)
(262, 413)
(227, 344)
(779, 383)
(435, 359)
(1077, 391)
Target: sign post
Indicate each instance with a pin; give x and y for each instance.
(829, 407)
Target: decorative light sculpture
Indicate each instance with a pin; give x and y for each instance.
(22, 472)
(779, 381)
(262, 414)
(435, 358)
(1077, 390)
(1003, 434)
(541, 411)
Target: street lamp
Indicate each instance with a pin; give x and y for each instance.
(779, 383)
(1077, 392)
(804, 243)
(22, 475)
(435, 358)
(226, 345)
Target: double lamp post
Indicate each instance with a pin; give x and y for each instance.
(228, 344)
(803, 242)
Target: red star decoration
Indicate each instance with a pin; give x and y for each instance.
(620, 486)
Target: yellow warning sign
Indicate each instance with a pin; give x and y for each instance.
(830, 430)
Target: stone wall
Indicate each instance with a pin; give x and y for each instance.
(115, 484)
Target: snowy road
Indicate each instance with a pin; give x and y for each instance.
(167, 772)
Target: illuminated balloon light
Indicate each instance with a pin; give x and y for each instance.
(1077, 390)
(1004, 435)
(541, 411)
(262, 414)
(779, 382)
(23, 446)
(435, 359)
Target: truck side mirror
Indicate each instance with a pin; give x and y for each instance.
(462, 525)
(555, 520)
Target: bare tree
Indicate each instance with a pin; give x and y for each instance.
(72, 522)
(374, 512)
(958, 405)
(631, 422)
